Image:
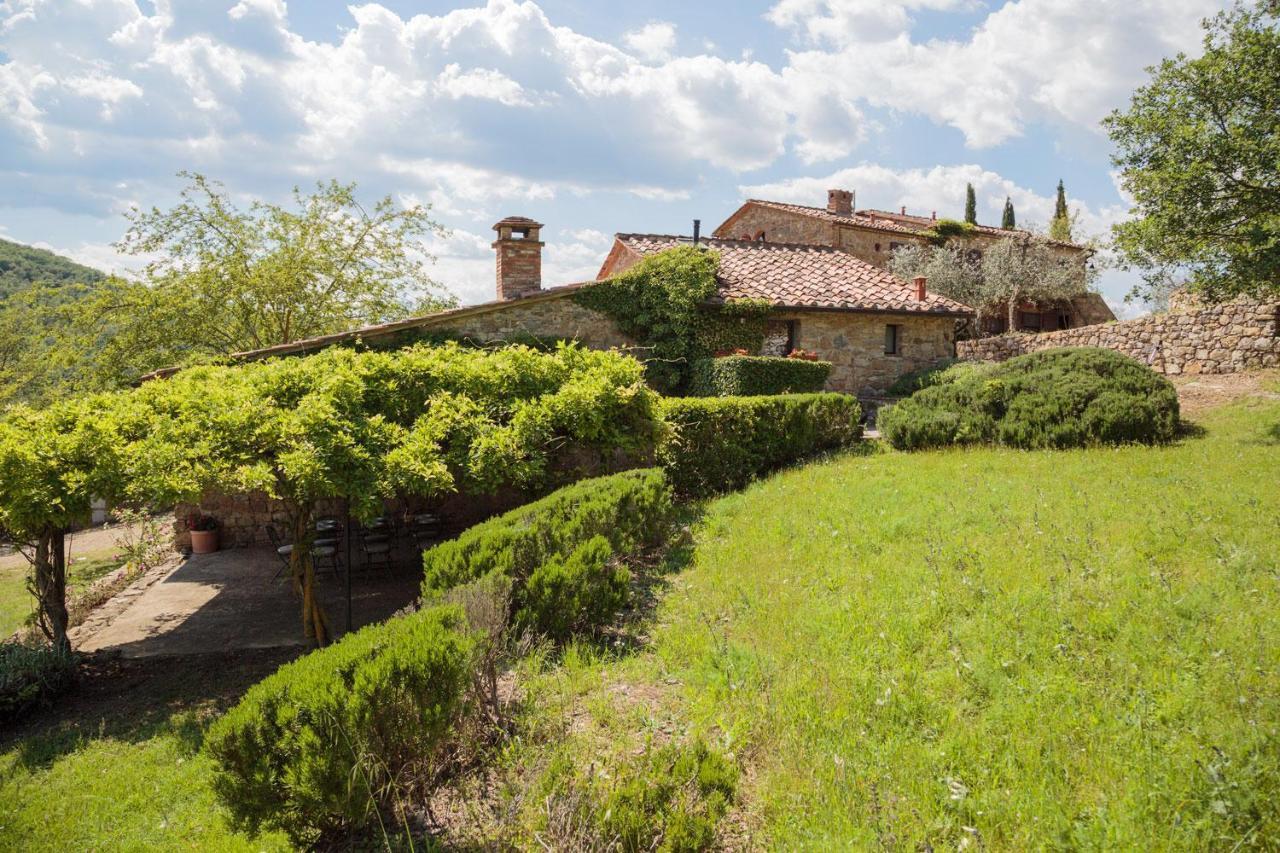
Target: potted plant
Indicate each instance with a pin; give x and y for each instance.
(204, 533)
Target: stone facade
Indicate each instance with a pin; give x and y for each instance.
(854, 343)
(876, 246)
(556, 317)
(1227, 338)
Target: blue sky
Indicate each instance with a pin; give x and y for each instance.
(591, 117)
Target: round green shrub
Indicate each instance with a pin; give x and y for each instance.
(1058, 398)
(945, 371)
(318, 746)
(32, 675)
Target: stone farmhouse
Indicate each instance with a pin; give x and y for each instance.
(871, 325)
(873, 235)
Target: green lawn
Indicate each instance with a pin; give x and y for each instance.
(1056, 649)
(117, 765)
(1013, 650)
(17, 604)
(1002, 649)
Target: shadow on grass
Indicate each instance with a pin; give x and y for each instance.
(137, 700)
(1189, 430)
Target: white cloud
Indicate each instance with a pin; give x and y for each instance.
(484, 83)
(845, 22)
(1061, 60)
(653, 42)
(465, 260)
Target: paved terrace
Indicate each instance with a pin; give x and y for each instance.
(232, 600)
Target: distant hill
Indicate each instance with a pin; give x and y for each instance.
(21, 266)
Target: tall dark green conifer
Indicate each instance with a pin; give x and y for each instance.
(970, 205)
(1008, 220)
(1060, 227)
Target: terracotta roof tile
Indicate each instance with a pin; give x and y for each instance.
(887, 220)
(799, 276)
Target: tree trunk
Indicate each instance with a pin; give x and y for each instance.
(50, 570)
(315, 625)
(1013, 311)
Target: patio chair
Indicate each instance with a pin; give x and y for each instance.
(378, 545)
(321, 549)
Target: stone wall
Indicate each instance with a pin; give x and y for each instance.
(1225, 338)
(854, 344)
(243, 518)
(558, 317)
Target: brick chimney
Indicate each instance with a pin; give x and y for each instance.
(519, 257)
(921, 293)
(840, 202)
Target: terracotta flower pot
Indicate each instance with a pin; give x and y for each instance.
(204, 541)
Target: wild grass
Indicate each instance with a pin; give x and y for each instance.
(119, 793)
(996, 648)
(1076, 649)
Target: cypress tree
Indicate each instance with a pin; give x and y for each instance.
(1008, 220)
(1060, 227)
(970, 205)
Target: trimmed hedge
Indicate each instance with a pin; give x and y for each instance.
(561, 552)
(717, 444)
(314, 747)
(32, 676)
(1073, 397)
(755, 375)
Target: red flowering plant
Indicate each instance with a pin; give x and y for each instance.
(803, 354)
(198, 521)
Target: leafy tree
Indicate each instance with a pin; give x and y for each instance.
(970, 205)
(1026, 269)
(1012, 271)
(41, 358)
(1060, 225)
(1007, 219)
(950, 271)
(225, 280)
(1198, 149)
(53, 462)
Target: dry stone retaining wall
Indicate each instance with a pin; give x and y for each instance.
(1226, 338)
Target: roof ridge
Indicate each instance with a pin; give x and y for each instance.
(769, 244)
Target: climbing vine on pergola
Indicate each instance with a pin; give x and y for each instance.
(363, 427)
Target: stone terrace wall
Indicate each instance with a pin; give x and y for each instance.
(1227, 338)
(243, 518)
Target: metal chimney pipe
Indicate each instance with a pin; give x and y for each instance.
(697, 229)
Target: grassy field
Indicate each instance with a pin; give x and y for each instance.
(117, 764)
(17, 604)
(986, 648)
(1013, 650)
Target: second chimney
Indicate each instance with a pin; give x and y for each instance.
(519, 257)
(921, 292)
(840, 202)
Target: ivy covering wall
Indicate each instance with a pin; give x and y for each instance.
(662, 303)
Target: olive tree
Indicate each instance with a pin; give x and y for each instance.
(1023, 267)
